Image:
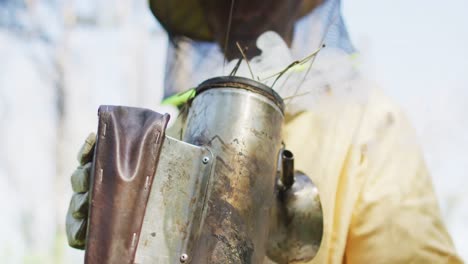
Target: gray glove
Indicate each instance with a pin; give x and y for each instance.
(77, 215)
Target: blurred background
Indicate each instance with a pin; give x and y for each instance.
(61, 59)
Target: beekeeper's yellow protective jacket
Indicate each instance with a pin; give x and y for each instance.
(378, 201)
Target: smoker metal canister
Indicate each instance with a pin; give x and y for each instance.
(240, 120)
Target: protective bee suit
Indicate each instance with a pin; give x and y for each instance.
(377, 196)
(356, 145)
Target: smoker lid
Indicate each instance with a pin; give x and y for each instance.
(242, 83)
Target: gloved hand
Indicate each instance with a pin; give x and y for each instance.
(77, 215)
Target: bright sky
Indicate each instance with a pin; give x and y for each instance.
(418, 40)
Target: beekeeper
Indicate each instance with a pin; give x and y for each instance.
(378, 202)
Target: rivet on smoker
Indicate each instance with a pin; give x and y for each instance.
(183, 258)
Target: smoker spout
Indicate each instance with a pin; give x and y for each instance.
(287, 173)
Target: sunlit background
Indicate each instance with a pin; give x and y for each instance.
(59, 60)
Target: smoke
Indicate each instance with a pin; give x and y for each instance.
(326, 78)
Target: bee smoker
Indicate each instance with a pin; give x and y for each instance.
(225, 193)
